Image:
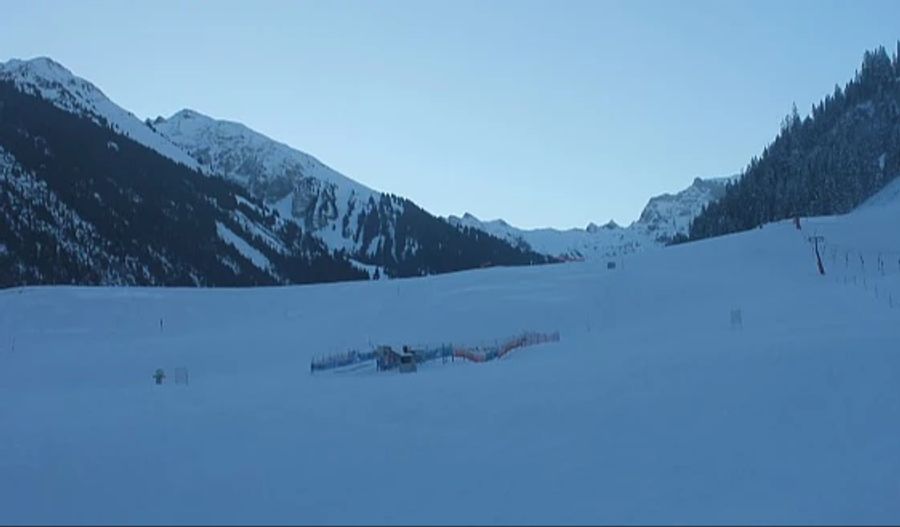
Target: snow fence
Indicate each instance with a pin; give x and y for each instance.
(484, 354)
(443, 351)
(875, 272)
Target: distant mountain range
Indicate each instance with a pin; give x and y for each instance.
(665, 218)
(91, 194)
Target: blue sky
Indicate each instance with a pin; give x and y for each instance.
(551, 113)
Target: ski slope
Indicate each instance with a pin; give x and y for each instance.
(652, 408)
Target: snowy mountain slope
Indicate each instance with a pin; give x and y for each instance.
(28, 206)
(663, 218)
(82, 203)
(43, 77)
(669, 215)
(295, 183)
(373, 228)
(360, 229)
(349, 217)
(335, 207)
(318, 194)
(652, 409)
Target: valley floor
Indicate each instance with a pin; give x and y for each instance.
(653, 407)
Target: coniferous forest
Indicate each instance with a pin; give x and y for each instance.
(828, 162)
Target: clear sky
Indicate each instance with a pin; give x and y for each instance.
(552, 113)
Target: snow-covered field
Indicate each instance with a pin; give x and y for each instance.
(653, 407)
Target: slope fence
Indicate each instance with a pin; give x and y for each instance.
(875, 272)
(488, 353)
(355, 358)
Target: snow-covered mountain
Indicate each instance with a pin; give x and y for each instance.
(347, 216)
(663, 218)
(573, 244)
(57, 85)
(95, 195)
(335, 207)
(91, 195)
(669, 215)
(372, 228)
(297, 184)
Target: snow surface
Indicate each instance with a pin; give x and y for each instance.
(53, 82)
(651, 409)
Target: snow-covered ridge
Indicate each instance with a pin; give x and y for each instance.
(591, 242)
(298, 185)
(232, 149)
(668, 215)
(664, 217)
(347, 217)
(53, 82)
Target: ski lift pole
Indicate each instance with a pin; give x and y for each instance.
(815, 240)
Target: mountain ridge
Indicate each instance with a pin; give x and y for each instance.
(330, 220)
(665, 218)
(82, 203)
(348, 216)
(55, 83)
